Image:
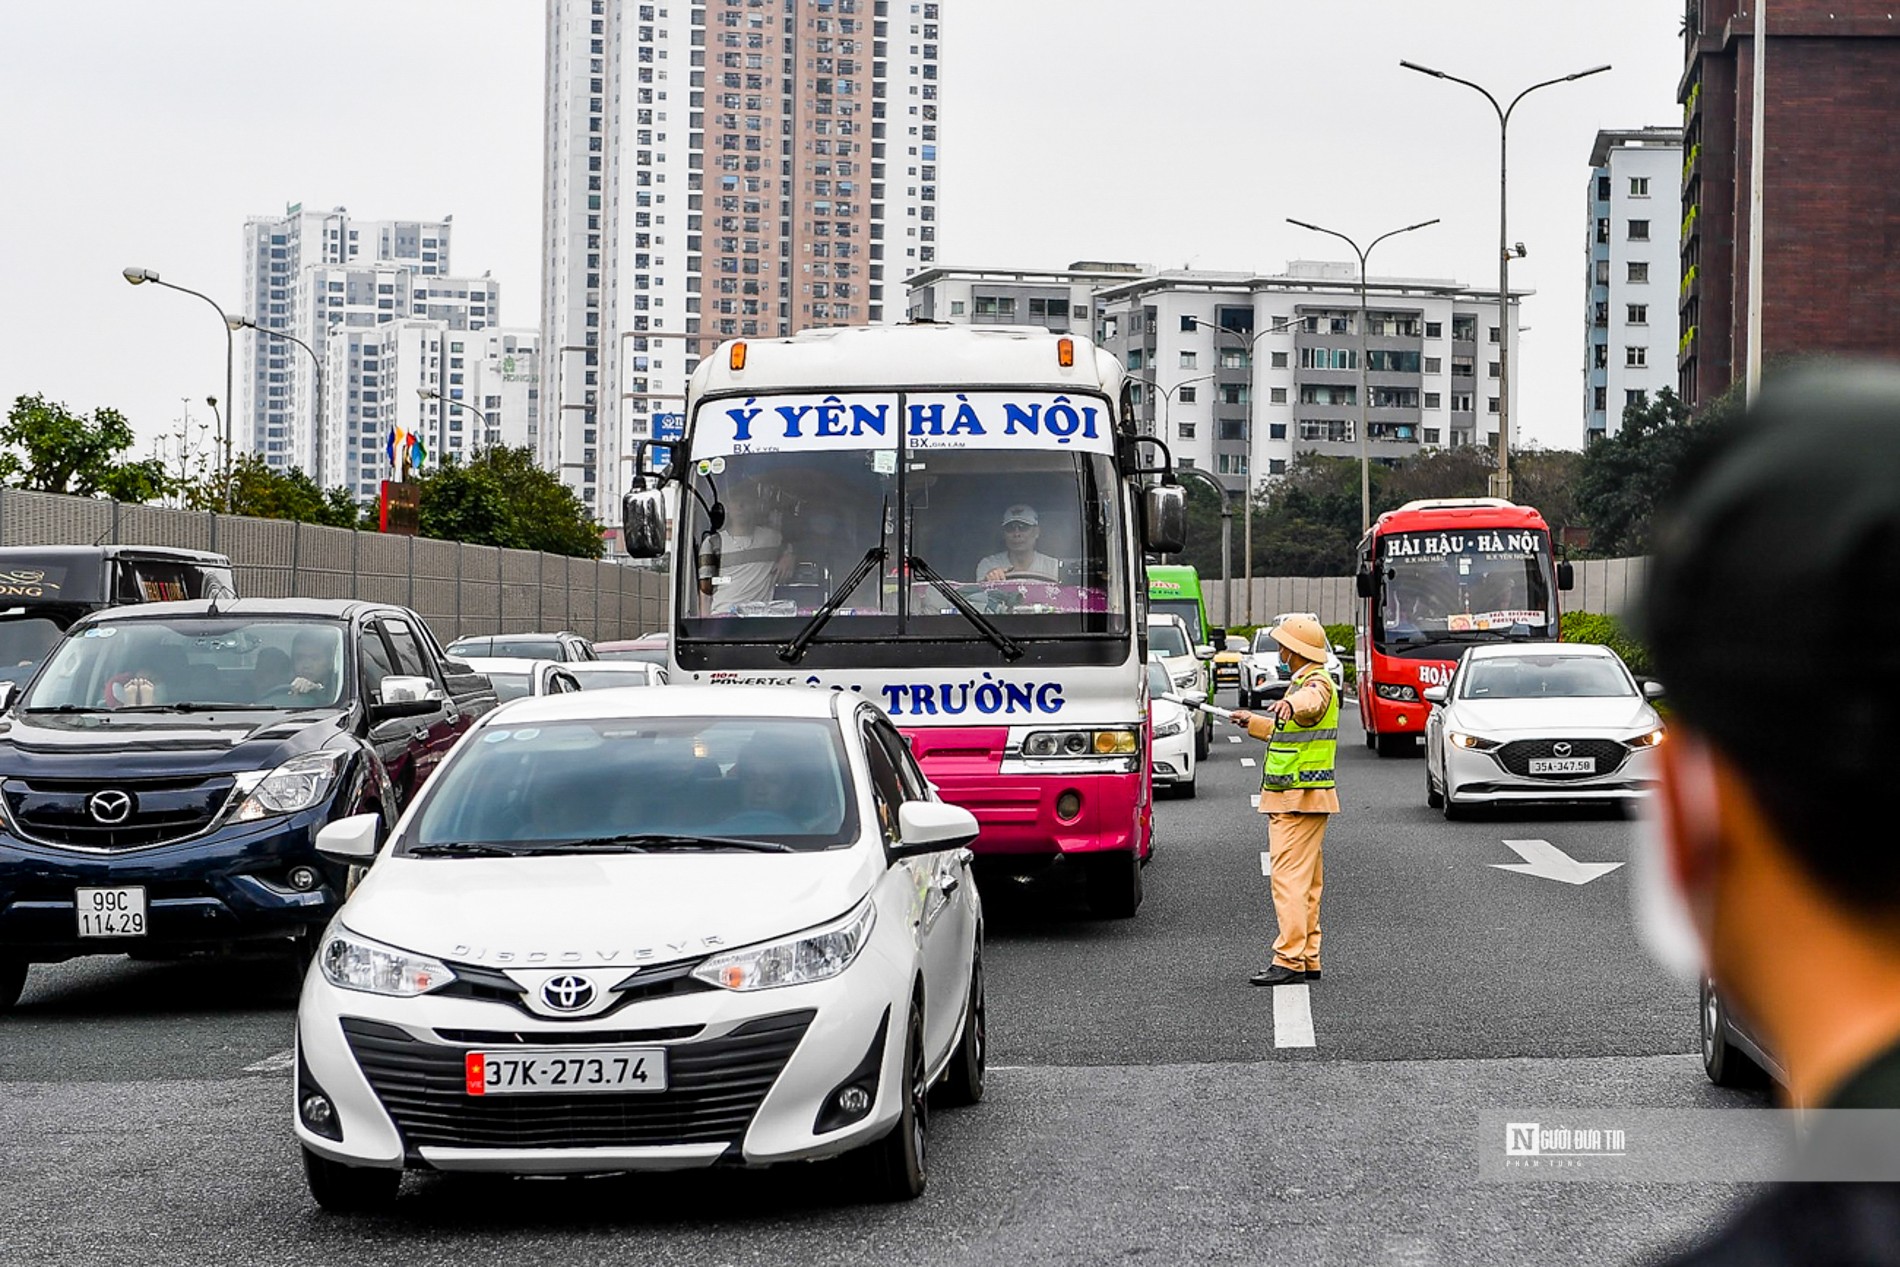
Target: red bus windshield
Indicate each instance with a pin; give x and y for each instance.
(1466, 585)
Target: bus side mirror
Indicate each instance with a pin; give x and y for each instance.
(1164, 518)
(1362, 582)
(643, 523)
(1566, 575)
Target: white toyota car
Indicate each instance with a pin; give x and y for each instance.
(647, 930)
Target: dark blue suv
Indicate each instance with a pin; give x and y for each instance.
(164, 774)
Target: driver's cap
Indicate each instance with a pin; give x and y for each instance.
(1021, 515)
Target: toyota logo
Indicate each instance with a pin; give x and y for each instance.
(1560, 749)
(110, 806)
(568, 994)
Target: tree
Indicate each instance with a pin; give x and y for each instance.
(50, 449)
(1625, 477)
(258, 490)
(1307, 522)
(502, 497)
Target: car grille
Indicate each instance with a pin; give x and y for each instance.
(58, 811)
(713, 1090)
(492, 985)
(1517, 755)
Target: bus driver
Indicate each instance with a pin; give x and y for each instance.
(1019, 556)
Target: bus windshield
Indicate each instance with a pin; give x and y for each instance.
(1464, 586)
(1022, 530)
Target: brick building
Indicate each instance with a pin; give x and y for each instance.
(1830, 188)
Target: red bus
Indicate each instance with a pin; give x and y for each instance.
(1435, 577)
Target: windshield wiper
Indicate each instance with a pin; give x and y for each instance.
(189, 706)
(68, 708)
(794, 651)
(463, 849)
(1011, 649)
(653, 842)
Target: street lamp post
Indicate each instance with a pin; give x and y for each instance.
(488, 424)
(138, 277)
(1501, 483)
(1246, 346)
(1365, 461)
(237, 323)
(1226, 509)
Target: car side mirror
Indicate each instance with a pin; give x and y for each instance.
(643, 523)
(1362, 583)
(1651, 690)
(405, 697)
(351, 839)
(1566, 575)
(1437, 694)
(1164, 518)
(1203, 652)
(931, 827)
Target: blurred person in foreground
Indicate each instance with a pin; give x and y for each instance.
(1768, 860)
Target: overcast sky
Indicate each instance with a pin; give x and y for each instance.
(1178, 133)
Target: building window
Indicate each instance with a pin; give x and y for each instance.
(1601, 399)
(1186, 430)
(1432, 400)
(1431, 435)
(1276, 431)
(1603, 273)
(1187, 395)
(1639, 186)
(1494, 334)
(1634, 397)
(1603, 229)
(1602, 356)
(956, 307)
(1187, 360)
(1496, 369)
(1187, 325)
(1491, 405)
(1603, 189)
(1639, 271)
(1279, 360)
(1278, 395)
(1639, 314)
(1276, 466)
(1639, 230)
(1636, 356)
(1434, 329)
(1434, 365)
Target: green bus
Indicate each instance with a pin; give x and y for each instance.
(1175, 589)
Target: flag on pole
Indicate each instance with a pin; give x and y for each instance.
(416, 451)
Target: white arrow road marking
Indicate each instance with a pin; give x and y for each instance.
(277, 1063)
(1292, 1016)
(1266, 863)
(1546, 861)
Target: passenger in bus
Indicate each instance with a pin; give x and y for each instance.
(752, 557)
(1019, 558)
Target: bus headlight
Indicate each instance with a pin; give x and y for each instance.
(1080, 743)
(1398, 691)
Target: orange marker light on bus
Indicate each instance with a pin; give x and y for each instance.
(1065, 353)
(737, 359)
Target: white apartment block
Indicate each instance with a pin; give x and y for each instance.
(1062, 300)
(728, 169)
(1635, 271)
(277, 396)
(377, 374)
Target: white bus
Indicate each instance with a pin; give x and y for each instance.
(952, 522)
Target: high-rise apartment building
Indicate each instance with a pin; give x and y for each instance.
(1830, 276)
(1629, 340)
(310, 272)
(712, 171)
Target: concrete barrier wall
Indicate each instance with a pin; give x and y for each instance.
(459, 589)
(1606, 586)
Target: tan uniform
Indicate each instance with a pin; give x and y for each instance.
(1296, 827)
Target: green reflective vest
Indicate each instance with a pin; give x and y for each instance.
(1303, 756)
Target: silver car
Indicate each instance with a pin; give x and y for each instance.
(1539, 722)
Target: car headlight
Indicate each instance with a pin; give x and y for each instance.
(814, 956)
(350, 962)
(1080, 743)
(1648, 739)
(1459, 738)
(1167, 729)
(1398, 691)
(298, 784)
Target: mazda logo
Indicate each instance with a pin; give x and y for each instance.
(568, 994)
(110, 806)
(1560, 748)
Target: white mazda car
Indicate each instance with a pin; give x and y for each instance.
(1556, 721)
(632, 930)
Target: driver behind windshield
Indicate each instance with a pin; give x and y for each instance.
(1021, 530)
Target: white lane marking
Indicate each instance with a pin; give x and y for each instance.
(1547, 861)
(1266, 863)
(1254, 800)
(1246, 761)
(1292, 1016)
(1233, 739)
(277, 1063)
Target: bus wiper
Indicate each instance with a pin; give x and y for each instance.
(1011, 649)
(794, 651)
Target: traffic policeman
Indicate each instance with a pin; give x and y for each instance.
(1297, 794)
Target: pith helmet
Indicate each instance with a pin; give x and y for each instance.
(1303, 636)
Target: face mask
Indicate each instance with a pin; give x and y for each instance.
(1661, 912)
